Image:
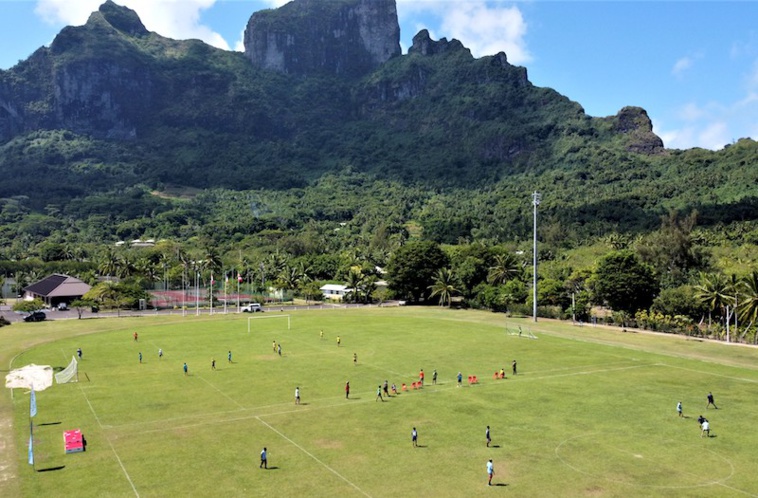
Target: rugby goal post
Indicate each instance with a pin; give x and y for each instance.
(263, 317)
(68, 374)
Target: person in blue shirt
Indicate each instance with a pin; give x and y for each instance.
(460, 379)
(264, 459)
(229, 356)
(140, 357)
(186, 369)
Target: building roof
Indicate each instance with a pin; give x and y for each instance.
(333, 287)
(57, 285)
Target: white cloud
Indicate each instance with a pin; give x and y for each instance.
(681, 66)
(483, 28)
(714, 136)
(691, 112)
(178, 19)
(239, 45)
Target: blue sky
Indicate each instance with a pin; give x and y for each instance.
(693, 65)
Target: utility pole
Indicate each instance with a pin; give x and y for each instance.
(536, 198)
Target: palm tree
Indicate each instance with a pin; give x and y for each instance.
(354, 281)
(444, 286)
(749, 302)
(506, 267)
(714, 292)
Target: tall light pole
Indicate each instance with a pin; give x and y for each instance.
(536, 198)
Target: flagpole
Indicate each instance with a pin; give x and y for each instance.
(239, 280)
(197, 293)
(226, 296)
(211, 292)
(32, 413)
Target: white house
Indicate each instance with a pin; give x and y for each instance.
(334, 292)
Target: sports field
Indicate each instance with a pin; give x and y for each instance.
(591, 412)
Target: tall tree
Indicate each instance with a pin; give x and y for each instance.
(623, 282)
(412, 268)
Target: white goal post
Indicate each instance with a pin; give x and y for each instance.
(263, 317)
(68, 374)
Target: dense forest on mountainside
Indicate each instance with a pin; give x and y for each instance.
(319, 172)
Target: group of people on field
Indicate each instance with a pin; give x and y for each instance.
(705, 425)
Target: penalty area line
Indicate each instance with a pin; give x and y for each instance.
(313, 457)
(113, 449)
(221, 392)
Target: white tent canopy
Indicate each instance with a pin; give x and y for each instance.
(39, 376)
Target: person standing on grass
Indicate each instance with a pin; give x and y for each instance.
(414, 437)
(679, 409)
(421, 377)
(186, 369)
(297, 395)
(386, 388)
(394, 389)
(347, 390)
(140, 357)
(338, 341)
(229, 356)
(434, 377)
(213, 364)
(355, 359)
(79, 353)
(490, 472)
(321, 335)
(460, 379)
(705, 428)
(273, 345)
(487, 436)
(709, 397)
(264, 459)
(135, 336)
(279, 349)
(160, 353)
(513, 365)
(379, 394)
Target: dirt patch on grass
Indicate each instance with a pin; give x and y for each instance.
(329, 444)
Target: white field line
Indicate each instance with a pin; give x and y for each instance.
(118, 459)
(221, 392)
(313, 457)
(754, 381)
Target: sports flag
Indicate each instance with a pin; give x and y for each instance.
(32, 404)
(239, 277)
(31, 450)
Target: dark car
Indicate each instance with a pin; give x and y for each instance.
(35, 316)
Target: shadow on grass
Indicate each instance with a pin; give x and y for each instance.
(50, 469)
(272, 468)
(500, 484)
(495, 446)
(48, 423)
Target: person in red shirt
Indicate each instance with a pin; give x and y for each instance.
(347, 390)
(421, 377)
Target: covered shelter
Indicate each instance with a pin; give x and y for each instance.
(56, 289)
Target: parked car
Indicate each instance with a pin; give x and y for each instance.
(62, 306)
(252, 308)
(35, 316)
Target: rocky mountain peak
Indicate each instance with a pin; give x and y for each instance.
(341, 37)
(424, 45)
(123, 19)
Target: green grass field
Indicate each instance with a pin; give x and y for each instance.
(590, 413)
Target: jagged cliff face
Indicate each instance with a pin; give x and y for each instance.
(338, 37)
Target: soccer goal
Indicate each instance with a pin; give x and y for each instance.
(68, 374)
(520, 332)
(264, 317)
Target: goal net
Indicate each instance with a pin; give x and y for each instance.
(68, 374)
(265, 317)
(520, 332)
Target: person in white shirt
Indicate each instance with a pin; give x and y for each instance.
(490, 472)
(297, 395)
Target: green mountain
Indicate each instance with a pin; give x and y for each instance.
(111, 120)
